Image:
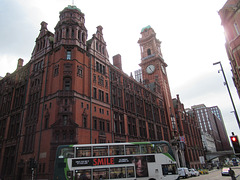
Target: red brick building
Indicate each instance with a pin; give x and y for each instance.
(70, 93)
(190, 144)
(230, 18)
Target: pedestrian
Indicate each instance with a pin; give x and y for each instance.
(232, 173)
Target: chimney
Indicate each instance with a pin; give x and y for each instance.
(43, 25)
(117, 61)
(20, 63)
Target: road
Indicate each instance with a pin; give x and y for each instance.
(216, 175)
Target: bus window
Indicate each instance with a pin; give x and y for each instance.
(130, 172)
(83, 174)
(116, 150)
(164, 148)
(158, 148)
(146, 149)
(100, 173)
(66, 152)
(83, 151)
(132, 149)
(117, 173)
(143, 149)
(150, 148)
(100, 151)
(169, 169)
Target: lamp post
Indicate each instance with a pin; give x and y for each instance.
(225, 83)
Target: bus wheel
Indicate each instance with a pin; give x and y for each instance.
(152, 179)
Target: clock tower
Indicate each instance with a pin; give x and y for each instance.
(154, 71)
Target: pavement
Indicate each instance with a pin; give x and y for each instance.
(237, 172)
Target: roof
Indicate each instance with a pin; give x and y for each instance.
(147, 27)
(72, 7)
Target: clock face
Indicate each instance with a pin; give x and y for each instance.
(150, 69)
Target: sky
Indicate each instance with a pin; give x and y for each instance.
(190, 31)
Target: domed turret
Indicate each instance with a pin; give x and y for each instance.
(71, 30)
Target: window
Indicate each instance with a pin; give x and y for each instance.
(56, 69)
(67, 83)
(106, 97)
(79, 34)
(108, 127)
(102, 125)
(80, 71)
(106, 84)
(100, 151)
(72, 33)
(94, 78)
(65, 118)
(94, 93)
(149, 52)
(84, 122)
(116, 150)
(67, 32)
(46, 122)
(83, 37)
(69, 55)
(96, 46)
(169, 169)
(103, 50)
(95, 124)
(100, 68)
(100, 174)
(83, 152)
(100, 95)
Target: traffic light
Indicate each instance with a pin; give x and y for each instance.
(32, 163)
(235, 144)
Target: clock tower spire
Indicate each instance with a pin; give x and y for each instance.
(154, 70)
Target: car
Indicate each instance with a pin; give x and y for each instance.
(183, 172)
(194, 172)
(225, 171)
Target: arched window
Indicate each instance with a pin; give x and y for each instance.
(83, 37)
(72, 33)
(67, 83)
(84, 121)
(67, 33)
(69, 55)
(79, 35)
(60, 35)
(149, 52)
(96, 46)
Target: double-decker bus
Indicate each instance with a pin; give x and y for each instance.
(135, 160)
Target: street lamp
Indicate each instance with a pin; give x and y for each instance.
(225, 83)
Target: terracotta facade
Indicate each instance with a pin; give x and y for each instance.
(70, 93)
